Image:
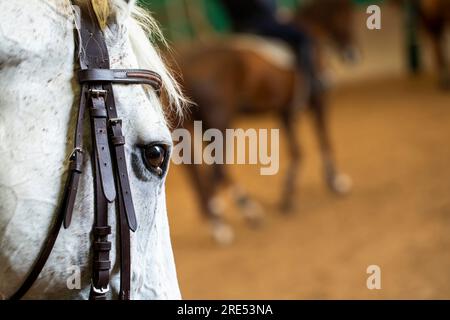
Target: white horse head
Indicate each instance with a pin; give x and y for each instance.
(38, 102)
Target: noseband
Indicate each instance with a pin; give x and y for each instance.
(111, 182)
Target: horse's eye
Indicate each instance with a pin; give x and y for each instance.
(154, 157)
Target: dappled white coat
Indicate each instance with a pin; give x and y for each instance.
(38, 102)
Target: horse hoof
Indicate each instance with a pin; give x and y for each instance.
(341, 184)
(253, 214)
(223, 234)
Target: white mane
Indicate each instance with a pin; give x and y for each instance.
(142, 27)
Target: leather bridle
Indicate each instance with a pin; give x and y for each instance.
(111, 181)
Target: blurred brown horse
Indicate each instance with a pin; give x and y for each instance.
(434, 18)
(226, 80)
(435, 15)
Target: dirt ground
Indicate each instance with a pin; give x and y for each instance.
(392, 137)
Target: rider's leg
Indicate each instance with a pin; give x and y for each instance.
(301, 43)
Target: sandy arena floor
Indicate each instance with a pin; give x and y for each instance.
(392, 137)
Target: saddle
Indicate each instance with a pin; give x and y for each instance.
(274, 51)
(111, 182)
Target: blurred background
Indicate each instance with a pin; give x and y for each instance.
(389, 122)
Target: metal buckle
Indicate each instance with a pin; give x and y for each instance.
(101, 290)
(98, 93)
(74, 151)
(114, 121)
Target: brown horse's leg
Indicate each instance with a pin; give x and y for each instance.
(210, 204)
(206, 185)
(441, 61)
(338, 183)
(202, 191)
(288, 120)
(251, 210)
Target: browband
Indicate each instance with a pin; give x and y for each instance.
(123, 76)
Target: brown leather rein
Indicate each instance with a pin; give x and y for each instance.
(111, 182)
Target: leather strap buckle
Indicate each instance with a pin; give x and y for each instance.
(101, 290)
(74, 152)
(98, 93)
(115, 121)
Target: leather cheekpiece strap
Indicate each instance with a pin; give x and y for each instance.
(99, 125)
